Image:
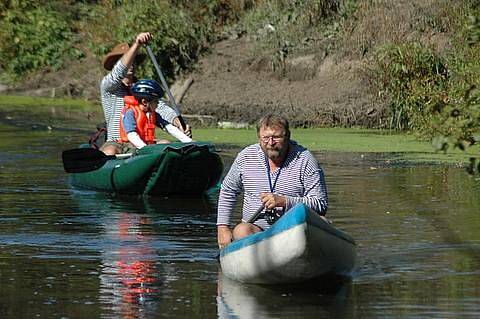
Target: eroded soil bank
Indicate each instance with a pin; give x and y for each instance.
(314, 90)
(231, 85)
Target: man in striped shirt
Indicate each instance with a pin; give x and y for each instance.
(275, 174)
(122, 61)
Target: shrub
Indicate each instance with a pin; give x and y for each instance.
(413, 79)
(181, 30)
(33, 38)
(36, 34)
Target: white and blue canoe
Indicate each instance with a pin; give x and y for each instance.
(300, 246)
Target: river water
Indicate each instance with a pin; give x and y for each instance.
(67, 253)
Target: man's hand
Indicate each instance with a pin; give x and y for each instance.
(271, 200)
(224, 236)
(143, 38)
(129, 57)
(188, 129)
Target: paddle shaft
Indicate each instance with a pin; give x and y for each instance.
(165, 85)
(255, 216)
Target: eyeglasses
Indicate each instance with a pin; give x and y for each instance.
(275, 139)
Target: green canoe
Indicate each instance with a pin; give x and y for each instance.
(157, 170)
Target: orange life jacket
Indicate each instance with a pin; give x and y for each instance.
(145, 124)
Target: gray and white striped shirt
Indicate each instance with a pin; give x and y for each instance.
(301, 179)
(112, 91)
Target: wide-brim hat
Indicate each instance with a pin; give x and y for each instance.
(116, 53)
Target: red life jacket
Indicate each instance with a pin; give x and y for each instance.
(145, 124)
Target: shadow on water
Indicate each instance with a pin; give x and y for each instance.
(148, 205)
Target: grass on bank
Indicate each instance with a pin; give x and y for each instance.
(14, 102)
(402, 146)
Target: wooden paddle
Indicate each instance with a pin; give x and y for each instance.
(81, 160)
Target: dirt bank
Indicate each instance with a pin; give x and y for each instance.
(314, 90)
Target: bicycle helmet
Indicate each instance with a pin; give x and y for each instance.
(147, 89)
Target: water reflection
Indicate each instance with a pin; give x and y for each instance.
(324, 298)
(144, 243)
(129, 281)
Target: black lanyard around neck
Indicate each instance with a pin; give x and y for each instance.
(272, 186)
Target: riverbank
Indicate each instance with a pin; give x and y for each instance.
(241, 59)
(83, 116)
(50, 113)
(232, 84)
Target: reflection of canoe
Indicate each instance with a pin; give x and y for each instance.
(234, 300)
(244, 301)
(298, 247)
(161, 169)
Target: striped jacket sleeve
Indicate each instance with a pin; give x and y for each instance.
(231, 188)
(165, 111)
(315, 190)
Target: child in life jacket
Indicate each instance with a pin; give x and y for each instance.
(139, 119)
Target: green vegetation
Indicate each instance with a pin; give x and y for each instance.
(14, 102)
(414, 53)
(71, 114)
(402, 146)
(432, 90)
(182, 29)
(35, 35)
(415, 81)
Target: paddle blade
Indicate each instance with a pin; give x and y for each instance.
(80, 160)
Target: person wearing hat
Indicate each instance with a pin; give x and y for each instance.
(121, 61)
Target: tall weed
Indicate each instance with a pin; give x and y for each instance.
(435, 95)
(414, 79)
(458, 125)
